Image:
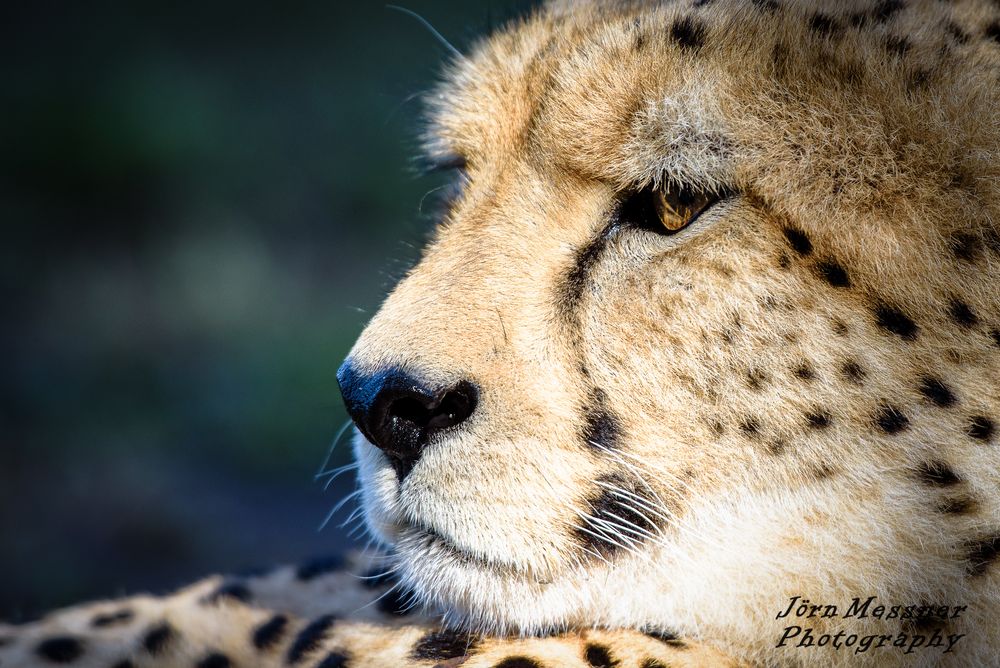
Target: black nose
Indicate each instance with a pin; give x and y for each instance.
(399, 413)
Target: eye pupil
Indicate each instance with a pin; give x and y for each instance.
(665, 210)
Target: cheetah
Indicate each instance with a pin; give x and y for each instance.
(701, 366)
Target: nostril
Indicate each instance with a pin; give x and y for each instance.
(434, 413)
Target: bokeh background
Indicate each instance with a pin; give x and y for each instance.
(201, 204)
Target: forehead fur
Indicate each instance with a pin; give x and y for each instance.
(868, 107)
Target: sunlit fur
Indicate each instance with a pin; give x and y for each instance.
(757, 380)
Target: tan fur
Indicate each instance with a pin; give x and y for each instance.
(752, 393)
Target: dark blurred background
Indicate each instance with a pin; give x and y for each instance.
(202, 203)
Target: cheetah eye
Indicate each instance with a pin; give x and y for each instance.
(667, 209)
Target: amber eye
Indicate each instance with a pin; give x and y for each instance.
(667, 209)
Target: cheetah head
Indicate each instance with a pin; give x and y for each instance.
(711, 322)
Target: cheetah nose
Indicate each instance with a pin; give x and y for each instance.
(399, 414)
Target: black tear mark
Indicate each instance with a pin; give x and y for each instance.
(269, 633)
(601, 426)
(833, 273)
(895, 321)
(688, 33)
(824, 25)
(231, 591)
(666, 636)
(981, 427)
(158, 637)
(936, 392)
(215, 660)
(818, 419)
(798, 240)
(981, 553)
(334, 660)
(890, 419)
(584, 261)
(314, 568)
(444, 645)
(115, 618)
(60, 649)
(937, 474)
(619, 515)
(310, 638)
(599, 656)
(962, 314)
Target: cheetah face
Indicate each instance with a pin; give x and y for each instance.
(682, 341)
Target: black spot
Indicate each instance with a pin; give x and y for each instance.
(584, 261)
(839, 327)
(334, 660)
(804, 371)
(377, 578)
(269, 633)
(993, 31)
(158, 637)
(62, 649)
(756, 379)
(620, 515)
(834, 274)
(601, 425)
(215, 660)
(955, 31)
(818, 419)
(937, 474)
(966, 247)
(518, 662)
(936, 392)
(895, 321)
(981, 553)
(116, 618)
(798, 240)
(750, 426)
(310, 638)
(884, 11)
(897, 46)
(784, 262)
(317, 567)
(823, 471)
(962, 314)
(444, 645)
(956, 506)
(599, 656)
(769, 6)
(231, 591)
(853, 372)
(890, 420)
(667, 637)
(397, 601)
(824, 25)
(995, 334)
(650, 662)
(981, 427)
(688, 33)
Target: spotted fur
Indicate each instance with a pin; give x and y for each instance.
(797, 395)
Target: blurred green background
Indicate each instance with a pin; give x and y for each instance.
(202, 203)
